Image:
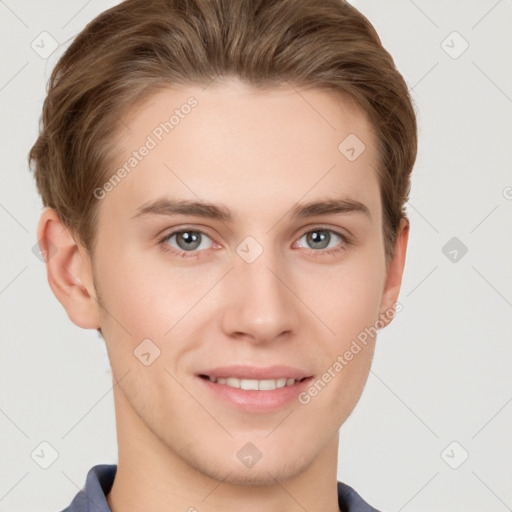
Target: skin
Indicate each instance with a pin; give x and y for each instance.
(257, 153)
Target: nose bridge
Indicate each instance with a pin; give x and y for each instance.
(259, 305)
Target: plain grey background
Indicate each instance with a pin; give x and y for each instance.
(432, 430)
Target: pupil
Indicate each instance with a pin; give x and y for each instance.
(191, 240)
(318, 238)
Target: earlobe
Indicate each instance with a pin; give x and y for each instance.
(394, 274)
(69, 270)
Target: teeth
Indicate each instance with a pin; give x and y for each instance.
(253, 384)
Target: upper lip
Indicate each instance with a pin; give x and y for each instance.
(253, 372)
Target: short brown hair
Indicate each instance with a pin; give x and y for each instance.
(139, 46)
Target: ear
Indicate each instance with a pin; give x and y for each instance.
(394, 274)
(69, 270)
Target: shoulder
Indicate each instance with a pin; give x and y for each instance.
(93, 495)
(350, 501)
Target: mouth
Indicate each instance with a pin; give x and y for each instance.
(253, 395)
(254, 384)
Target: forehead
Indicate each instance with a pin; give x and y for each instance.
(242, 146)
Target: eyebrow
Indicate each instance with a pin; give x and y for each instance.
(169, 207)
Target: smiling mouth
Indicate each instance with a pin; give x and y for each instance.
(254, 384)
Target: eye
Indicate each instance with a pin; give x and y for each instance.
(190, 242)
(322, 240)
(187, 241)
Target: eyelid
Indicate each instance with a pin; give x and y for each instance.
(204, 231)
(345, 234)
(165, 235)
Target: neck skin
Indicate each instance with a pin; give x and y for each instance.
(152, 478)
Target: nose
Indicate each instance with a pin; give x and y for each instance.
(260, 304)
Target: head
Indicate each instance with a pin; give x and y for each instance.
(290, 129)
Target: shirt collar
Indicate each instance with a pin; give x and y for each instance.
(92, 498)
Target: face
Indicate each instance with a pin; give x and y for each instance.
(210, 254)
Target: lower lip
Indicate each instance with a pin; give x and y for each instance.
(251, 400)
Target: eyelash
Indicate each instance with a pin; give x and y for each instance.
(342, 246)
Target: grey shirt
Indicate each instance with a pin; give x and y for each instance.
(92, 498)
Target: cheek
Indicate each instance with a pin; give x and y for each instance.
(138, 294)
(350, 308)
(347, 299)
(151, 301)
(127, 316)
